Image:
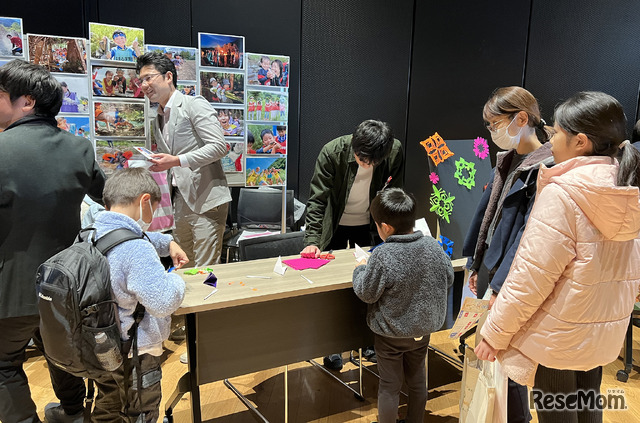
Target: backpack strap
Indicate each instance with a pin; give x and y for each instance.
(115, 237)
(132, 342)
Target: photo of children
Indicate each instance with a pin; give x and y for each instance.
(113, 155)
(222, 87)
(11, 37)
(75, 94)
(267, 106)
(184, 59)
(232, 121)
(265, 171)
(221, 51)
(119, 43)
(268, 139)
(267, 70)
(232, 162)
(108, 81)
(119, 119)
(188, 89)
(58, 54)
(77, 125)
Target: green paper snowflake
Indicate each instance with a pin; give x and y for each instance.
(470, 180)
(442, 203)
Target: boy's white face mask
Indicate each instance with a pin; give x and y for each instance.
(144, 225)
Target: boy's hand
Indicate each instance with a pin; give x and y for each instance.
(178, 255)
(310, 251)
(484, 351)
(362, 262)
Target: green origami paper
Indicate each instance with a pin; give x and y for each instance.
(469, 180)
(442, 203)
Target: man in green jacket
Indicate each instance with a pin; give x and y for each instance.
(349, 172)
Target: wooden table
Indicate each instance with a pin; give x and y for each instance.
(253, 324)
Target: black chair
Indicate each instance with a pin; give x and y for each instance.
(623, 375)
(259, 209)
(271, 246)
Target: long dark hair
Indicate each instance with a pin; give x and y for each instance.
(601, 118)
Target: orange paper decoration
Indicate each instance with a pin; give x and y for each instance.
(436, 148)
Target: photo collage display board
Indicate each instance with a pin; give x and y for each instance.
(118, 107)
(267, 109)
(221, 77)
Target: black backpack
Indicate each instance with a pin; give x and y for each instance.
(76, 303)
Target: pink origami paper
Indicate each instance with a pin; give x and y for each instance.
(305, 263)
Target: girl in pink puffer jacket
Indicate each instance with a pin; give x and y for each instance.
(563, 311)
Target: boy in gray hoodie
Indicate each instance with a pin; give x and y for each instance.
(405, 283)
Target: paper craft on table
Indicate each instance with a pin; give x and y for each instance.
(255, 234)
(470, 312)
(421, 225)
(360, 254)
(279, 268)
(305, 263)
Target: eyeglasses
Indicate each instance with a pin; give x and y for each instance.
(492, 126)
(148, 78)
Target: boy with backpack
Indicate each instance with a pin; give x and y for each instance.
(137, 277)
(405, 283)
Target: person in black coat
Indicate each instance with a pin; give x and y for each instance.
(44, 174)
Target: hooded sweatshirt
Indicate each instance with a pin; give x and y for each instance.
(567, 300)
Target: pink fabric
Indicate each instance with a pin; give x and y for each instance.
(305, 263)
(163, 217)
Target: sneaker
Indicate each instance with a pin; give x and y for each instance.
(184, 358)
(54, 413)
(178, 335)
(333, 362)
(369, 354)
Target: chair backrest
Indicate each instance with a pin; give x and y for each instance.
(267, 246)
(259, 208)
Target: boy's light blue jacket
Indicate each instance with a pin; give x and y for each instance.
(137, 275)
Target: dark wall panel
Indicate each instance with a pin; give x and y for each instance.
(62, 17)
(462, 51)
(580, 45)
(272, 28)
(355, 61)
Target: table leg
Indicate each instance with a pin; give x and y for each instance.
(194, 389)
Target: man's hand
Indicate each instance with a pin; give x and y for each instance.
(473, 282)
(162, 161)
(310, 251)
(178, 255)
(484, 351)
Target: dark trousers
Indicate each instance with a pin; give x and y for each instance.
(553, 381)
(360, 235)
(517, 403)
(401, 359)
(143, 405)
(16, 404)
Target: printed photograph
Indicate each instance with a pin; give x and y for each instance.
(3, 62)
(111, 81)
(232, 162)
(58, 54)
(267, 139)
(11, 37)
(232, 121)
(184, 59)
(75, 93)
(222, 87)
(119, 119)
(187, 89)
(221, 51)
(113, 155)
(265, 171)
(77, 125)
(267, 70)
(112, 42)
(267, 106)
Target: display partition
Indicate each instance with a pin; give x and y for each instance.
(66, 59)
(266, 112)
(221, 79)
(117, 106)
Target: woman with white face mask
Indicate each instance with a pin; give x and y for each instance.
(512, 117)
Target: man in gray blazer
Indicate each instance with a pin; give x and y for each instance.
(190, 143)
(45, 173)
